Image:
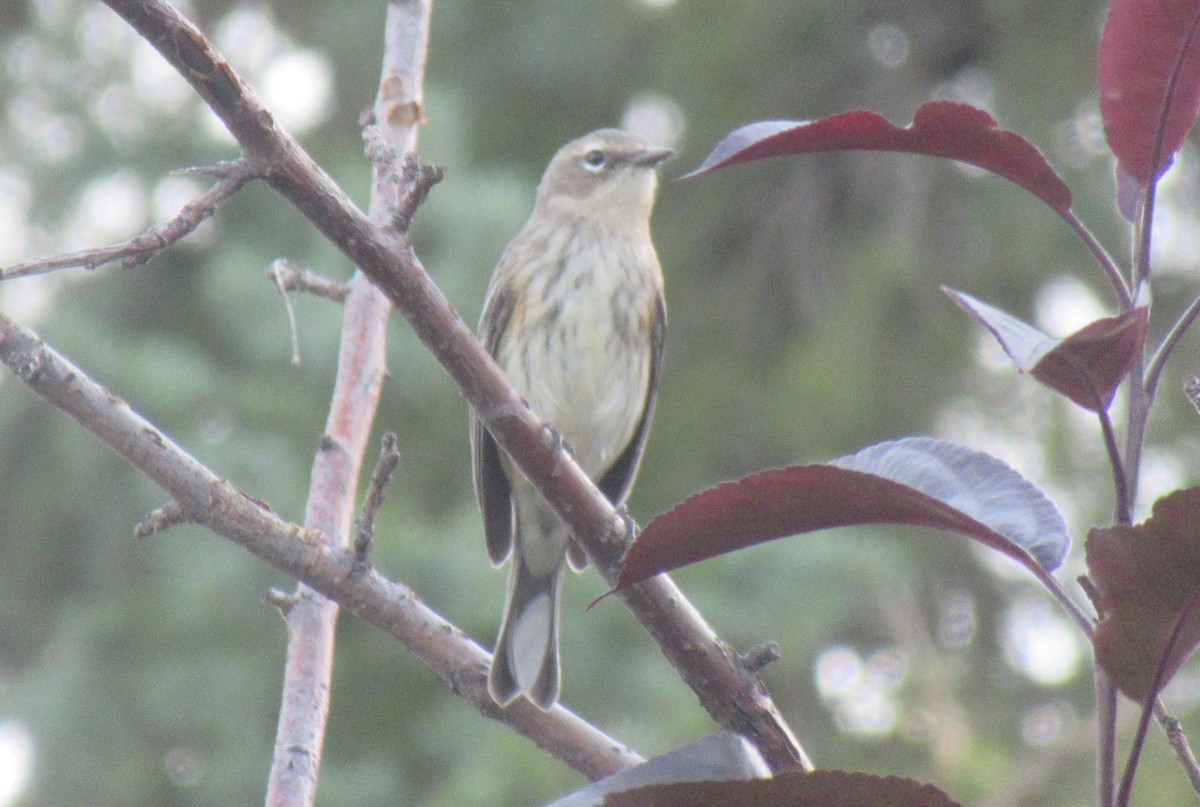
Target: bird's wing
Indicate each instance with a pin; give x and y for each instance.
(492, 488)
(618, 479)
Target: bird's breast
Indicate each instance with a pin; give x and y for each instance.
(586, 362)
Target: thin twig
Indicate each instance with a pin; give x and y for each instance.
(291, 311)
(1105, 696)
(1106, 737)
(1159, 361)
(1138, 402)
(1039, 768)
(1151, 699)
(231, 177)
(1120, 480)
(1042, 767)
(289, 278)
(163, 518)
(1119, 285)
(364, 532)
(418, 181)
(1179, 743)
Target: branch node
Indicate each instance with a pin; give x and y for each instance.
(405, 189)
(288, 278)
(364, 533)
(418, 180)
(629, 528)
(221, 170)
(468, 679)
(760, 655)
(285, 601)
(556, 443)
(30, 369)
(381, 154)
(163, 518)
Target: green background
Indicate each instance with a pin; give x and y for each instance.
(805, 322)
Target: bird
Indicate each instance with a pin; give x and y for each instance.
(575, 316)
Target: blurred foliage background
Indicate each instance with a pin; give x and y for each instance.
(806, 322)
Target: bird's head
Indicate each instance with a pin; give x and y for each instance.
(606, 175)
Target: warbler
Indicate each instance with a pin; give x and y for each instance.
(575, 316)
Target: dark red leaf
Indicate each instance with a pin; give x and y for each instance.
(1086, 366)
(1146, 575)
(1139, 49)
(790, 789)
(939, 129)
(918, 481)
(1091, 363)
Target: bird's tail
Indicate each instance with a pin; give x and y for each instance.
(525, 661)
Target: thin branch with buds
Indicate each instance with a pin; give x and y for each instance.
(231, 178)
(1179, 744)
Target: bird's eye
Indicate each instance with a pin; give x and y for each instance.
(594, 160)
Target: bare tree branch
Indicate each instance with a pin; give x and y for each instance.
(734, 696)
(1179, 744)
(231, 178)
(333, 571)
(364, 530)
(418, 181)
(361, 370)
(288, 278)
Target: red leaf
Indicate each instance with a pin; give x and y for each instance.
(1139, 50)
(918, 481)
(1086, 366)
(1146, 575)
(791, 789)
(939, 129)
(1091, 363)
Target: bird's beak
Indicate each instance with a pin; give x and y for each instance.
(650, 157)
